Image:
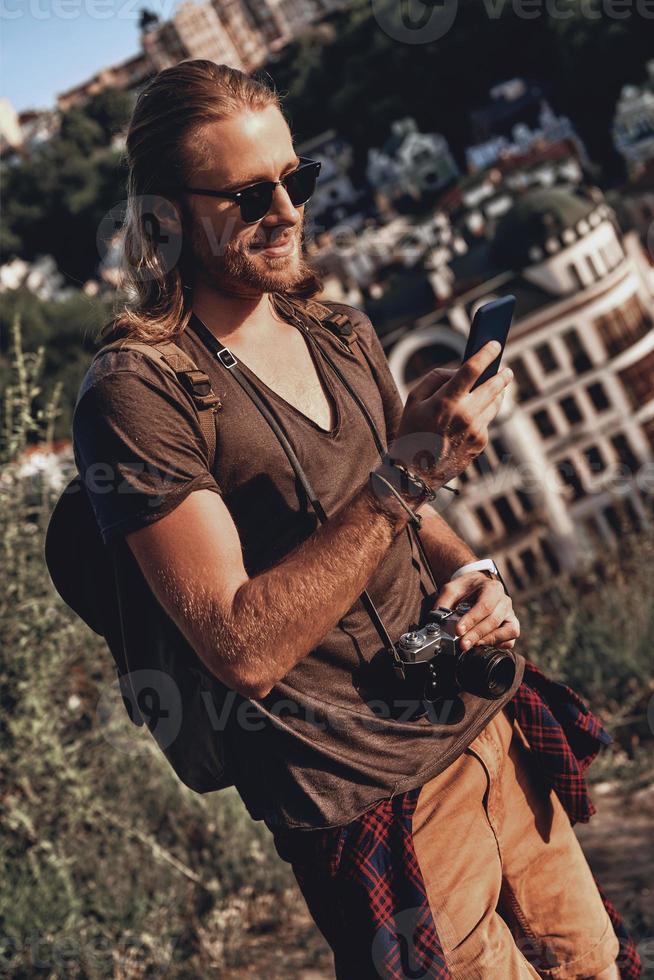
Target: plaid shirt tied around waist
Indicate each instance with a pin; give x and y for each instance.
(362, 881)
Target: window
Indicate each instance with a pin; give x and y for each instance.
(578, 355)
(482, 464)
(525, 499)
(571, 410)
(550, 556)
(528, 559)
(525, 386)
(625, 453)
(548, 361)
(623, 326)
(592, 265)
(517, 579)
(575, 277)
(594, 459)
(638, 380)
(544, 423)
(613, 519)
(506, 514)
(598, 396)
(484, 519)
(568, 473)
(501, 451)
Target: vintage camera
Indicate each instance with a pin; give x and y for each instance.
(433, 666)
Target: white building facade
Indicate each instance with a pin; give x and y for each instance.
(572, 450)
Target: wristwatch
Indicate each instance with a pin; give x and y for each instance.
(486, 565)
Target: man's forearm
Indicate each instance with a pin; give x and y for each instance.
(444, 548)
(279, 616)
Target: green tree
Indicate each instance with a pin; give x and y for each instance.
(67, 330)
(56, 200)
(362, 79)
(111, 110)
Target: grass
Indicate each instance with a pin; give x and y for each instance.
(112, 868)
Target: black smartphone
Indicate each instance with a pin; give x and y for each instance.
(491, 322)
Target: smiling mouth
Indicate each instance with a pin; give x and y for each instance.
(281, 246)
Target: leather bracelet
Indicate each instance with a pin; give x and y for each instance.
(408, 482)
(414, 518)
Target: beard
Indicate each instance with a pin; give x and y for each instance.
(233, 267)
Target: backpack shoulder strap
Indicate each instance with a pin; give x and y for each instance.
(196, 382)
(341, 325)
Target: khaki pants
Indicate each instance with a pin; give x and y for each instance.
(489, 838)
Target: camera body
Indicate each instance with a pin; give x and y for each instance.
(431, 660)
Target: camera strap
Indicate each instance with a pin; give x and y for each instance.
(359, 402)
(225, 357)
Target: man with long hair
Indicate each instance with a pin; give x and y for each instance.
(450, 807)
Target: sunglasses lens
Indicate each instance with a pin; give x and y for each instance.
(302, 183)
(255, 201)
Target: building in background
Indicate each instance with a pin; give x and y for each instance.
(410, 163)
(194, 31)
(22, 133)
(239, 33)
(573, 445)
(633, 125)
(11, 133)
(517, 119)
(126, 76)
(335, 199)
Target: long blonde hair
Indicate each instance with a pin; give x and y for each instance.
(160, 149)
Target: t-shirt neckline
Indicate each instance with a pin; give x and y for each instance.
(323, 377)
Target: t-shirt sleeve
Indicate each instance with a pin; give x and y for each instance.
(139, 447)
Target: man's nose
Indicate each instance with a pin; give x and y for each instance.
(282, 207)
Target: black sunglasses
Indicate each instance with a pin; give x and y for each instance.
(256, 200)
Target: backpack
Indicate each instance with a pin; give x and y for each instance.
(162, 682)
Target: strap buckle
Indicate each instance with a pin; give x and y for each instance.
(340, 324)
(226, 358)
(199, 387)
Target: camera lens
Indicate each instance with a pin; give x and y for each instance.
(500, 675)
(486, 672)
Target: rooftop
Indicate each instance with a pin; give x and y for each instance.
(535, 217)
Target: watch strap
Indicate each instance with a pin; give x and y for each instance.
(482, 565)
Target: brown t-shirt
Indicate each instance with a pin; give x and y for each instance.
(329, 740)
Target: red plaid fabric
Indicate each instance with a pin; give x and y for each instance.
(362, 882)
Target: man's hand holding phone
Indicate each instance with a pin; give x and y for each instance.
(444, 406)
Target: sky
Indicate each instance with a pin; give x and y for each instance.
(49, 46)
